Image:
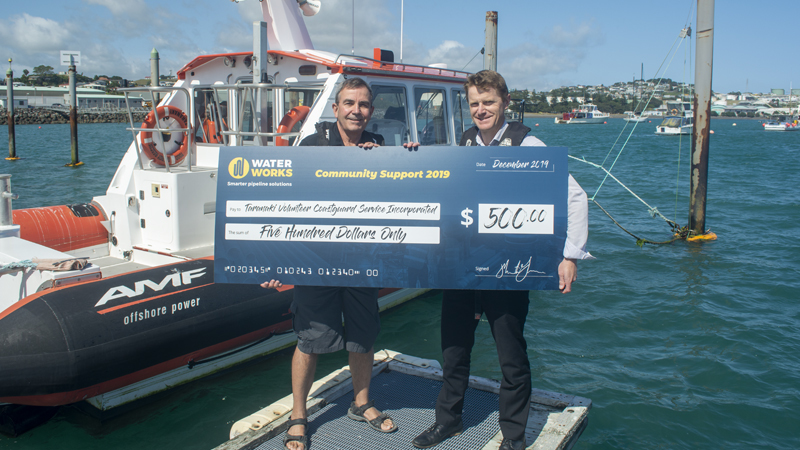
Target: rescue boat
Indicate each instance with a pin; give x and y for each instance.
(114, 300)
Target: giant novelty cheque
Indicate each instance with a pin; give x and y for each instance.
(440, 217)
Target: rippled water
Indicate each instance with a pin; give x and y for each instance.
(678, 346)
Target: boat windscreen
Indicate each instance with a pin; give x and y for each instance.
(673, 122)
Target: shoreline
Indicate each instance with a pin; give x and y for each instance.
(46, 116)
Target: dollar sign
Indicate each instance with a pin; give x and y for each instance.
(467, 219)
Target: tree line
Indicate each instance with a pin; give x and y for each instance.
(44, 75)
(563, 100)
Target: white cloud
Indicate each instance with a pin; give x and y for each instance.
(135, 18)
(530, 66)
(32, 34)
(581, 35)
(136, 10)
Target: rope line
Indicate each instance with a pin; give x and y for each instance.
(26, 264)
(652, 210)
(678, 39)
(681, 234)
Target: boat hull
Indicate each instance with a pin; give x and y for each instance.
(667, 131)
(781, 127)
(587, 121)
(64, 345)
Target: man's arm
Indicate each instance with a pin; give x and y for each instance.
(577, 228)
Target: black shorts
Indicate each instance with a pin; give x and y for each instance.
(318, 313)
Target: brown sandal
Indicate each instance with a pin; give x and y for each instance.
(357, 413)
(302, 439)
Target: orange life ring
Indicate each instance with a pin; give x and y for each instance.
(175, 144)
(674, 112)
(288, 122)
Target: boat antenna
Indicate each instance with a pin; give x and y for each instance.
(401, 31)
(353, 28)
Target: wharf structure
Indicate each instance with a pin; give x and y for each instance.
(406, 387)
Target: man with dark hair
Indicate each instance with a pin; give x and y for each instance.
(318, 310)
(506, 311)
(353, 109)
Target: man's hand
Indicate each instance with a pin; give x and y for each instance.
(411, 146)
(271, 284)
(567, 273)
(368, 145)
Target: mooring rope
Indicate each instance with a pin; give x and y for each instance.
(26, 264)
(679, 233)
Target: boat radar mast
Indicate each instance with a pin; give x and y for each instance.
(285, 27)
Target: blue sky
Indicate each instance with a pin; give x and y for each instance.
(542, 44)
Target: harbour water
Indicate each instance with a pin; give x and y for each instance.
(678, 346)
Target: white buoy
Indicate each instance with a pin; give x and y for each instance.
(734, 124)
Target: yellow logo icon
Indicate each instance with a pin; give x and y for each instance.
(238, 167)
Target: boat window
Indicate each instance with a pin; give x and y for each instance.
(430, 116)
(301, 97)
(673, 122)
(249, 122)
(462, 120)
(390, 117)
(211, 116)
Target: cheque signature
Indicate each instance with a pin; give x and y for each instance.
(519, 272)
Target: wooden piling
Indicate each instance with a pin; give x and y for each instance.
(12, 139)
(698, 181)
(490, 42)
(73, 116)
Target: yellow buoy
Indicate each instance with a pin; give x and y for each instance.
(703, 237)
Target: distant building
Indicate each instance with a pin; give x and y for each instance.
(108, 101)
(18, 103)
(39, 96)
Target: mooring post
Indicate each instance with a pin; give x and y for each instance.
(154, 75)
(12, 140)
(73, 115)
(698, 180)
(490, 57)
(6, 216)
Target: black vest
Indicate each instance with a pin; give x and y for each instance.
(514, 135)
(328, 135)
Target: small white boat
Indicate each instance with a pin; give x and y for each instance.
(634, 117)
(781, 126)
(680, 121)
(587, 113)
(673, 126)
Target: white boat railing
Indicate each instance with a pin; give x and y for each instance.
(251, 100)
(153, 90)
(255, 92)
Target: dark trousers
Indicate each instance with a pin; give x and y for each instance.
(506, 312)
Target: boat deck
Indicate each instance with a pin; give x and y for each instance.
(406, 388)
